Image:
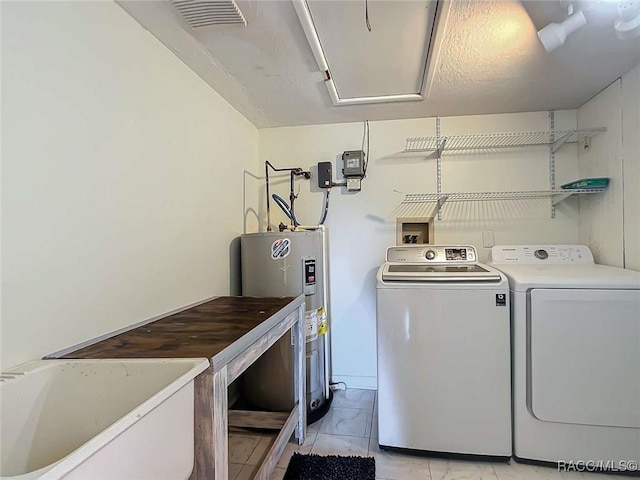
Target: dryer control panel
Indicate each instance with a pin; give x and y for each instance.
(541, 254)
(432, 254)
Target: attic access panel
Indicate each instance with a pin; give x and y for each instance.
(390, 63)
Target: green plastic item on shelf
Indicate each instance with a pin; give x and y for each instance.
(587, 183)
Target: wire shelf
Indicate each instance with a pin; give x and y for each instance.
(436, 146)
(497, 140)
(489, 196)
(422, 144)
(438, 200)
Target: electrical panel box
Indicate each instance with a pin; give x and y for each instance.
(325, 174)
(353, 164)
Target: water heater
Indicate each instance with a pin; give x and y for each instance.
(288, 264)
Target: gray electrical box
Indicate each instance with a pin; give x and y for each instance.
(353, 164)
(325, 175)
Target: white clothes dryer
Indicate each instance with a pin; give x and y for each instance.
(576, 355)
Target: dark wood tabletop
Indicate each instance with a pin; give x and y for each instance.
(201, 331)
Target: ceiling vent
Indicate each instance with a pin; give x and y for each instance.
(376, 51)
(205, 13)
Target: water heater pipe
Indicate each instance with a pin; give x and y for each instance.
(294, 171)
(266, 176)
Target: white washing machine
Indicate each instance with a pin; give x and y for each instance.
(444, 381)
(576, 355)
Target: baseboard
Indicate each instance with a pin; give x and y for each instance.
(352, 381)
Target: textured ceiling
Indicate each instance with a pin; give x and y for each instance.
(490, 61)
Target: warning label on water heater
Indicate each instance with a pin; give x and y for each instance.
(280, 248)
(311, 325)
(322, 321)
(315, 323)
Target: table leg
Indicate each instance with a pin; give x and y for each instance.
(299, 372)
(203, 427)
(220, 425)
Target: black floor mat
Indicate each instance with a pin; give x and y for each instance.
(330, 467)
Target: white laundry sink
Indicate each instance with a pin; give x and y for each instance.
(98, 419)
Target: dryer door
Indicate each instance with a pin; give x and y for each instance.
(584, 356)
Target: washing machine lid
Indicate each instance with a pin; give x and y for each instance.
(523, 278)
(399, 272)
(436, 263)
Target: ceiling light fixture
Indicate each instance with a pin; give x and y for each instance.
(554, 35)
(628, 24)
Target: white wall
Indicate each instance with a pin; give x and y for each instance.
(631, 157)
(601, 216)
(362, 224)
(610, 222)
(122, 177)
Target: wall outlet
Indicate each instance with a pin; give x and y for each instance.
(487, 239)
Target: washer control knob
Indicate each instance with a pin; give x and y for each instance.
(430, 255)
(541, 254)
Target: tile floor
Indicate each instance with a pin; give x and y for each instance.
(350, 428)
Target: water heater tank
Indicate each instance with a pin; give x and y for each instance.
(287, 264)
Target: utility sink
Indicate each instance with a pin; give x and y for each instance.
(98, 419)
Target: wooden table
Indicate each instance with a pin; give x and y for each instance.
(232, 332)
